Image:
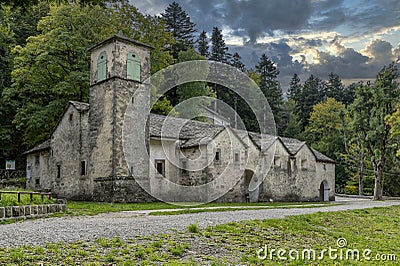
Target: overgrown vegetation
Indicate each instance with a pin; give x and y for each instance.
(376, 229)
(12, 199)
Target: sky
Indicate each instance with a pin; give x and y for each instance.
(352, 38)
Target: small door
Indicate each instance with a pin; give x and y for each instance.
(324, 191)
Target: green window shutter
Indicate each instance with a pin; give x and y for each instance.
(133, 66)
(102, 66)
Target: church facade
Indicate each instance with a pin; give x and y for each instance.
(84, 158)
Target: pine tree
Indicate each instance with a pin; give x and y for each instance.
(269, 84)
(219, 50)
(334, 87)
(236, 62)
(313, 93)
(202, 44)
(182, 28)
(295, 89)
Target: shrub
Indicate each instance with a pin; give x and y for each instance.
(351, 190)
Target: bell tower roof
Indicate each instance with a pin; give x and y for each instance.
(120, 37)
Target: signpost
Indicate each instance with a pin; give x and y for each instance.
(10, 164)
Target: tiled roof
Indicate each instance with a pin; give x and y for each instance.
(80, 106)
(264, 140)
(191, 132)
(43, 146)
(293, 145)
(321, 157)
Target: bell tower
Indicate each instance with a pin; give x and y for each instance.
(118, 68)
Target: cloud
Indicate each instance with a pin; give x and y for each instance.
(380, 52)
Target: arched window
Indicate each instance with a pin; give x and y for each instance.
(102, 66)
(133, 66)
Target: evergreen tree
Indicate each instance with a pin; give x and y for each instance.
(182, 28)
(295, 89)
(237, 63)
(202, 44)
(219, 50)
(312, 93)
(334, 87)
(269, 85)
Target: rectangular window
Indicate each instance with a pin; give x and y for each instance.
(160, 167)
(37, 160)
(277, 161)
(37, 181)
(304, 164)
(58, 171)
(217, 155)
(184, 167)
(83, 167)
(236, 157)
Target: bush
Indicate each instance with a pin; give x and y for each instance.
(351, 190)
(368, 191)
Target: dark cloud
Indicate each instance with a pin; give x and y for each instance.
(381, 52)
(252, 19)
(327, 15)
(371, 16)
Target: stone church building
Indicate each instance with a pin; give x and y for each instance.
(84, 157)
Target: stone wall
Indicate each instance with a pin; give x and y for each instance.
(30, 211)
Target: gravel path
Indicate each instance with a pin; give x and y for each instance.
(130, 224)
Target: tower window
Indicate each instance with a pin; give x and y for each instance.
(102, 66)
(133, 66)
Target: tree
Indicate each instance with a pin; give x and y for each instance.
(237, 63)
(372, 105)
(269, 85)
(182, 28)
(53, 67)
(295, 89)
(324, 129)
(311, 94)
(27, 4)
(393, 121)
(219, 50)
(292, 122)
(202, 44)
(192, 89)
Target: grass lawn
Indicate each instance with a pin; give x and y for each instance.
(12, 200)
(92, 208)
(236, 243)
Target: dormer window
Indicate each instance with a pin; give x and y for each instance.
(133, 67)
(102, 66)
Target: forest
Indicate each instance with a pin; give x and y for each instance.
(45, 63)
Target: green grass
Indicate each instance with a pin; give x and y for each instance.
(222, 209)
(12, 199)
(377, 229)
(94, 208)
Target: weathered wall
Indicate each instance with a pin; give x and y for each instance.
(68, 151)
(40, 176)
(111, 177)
